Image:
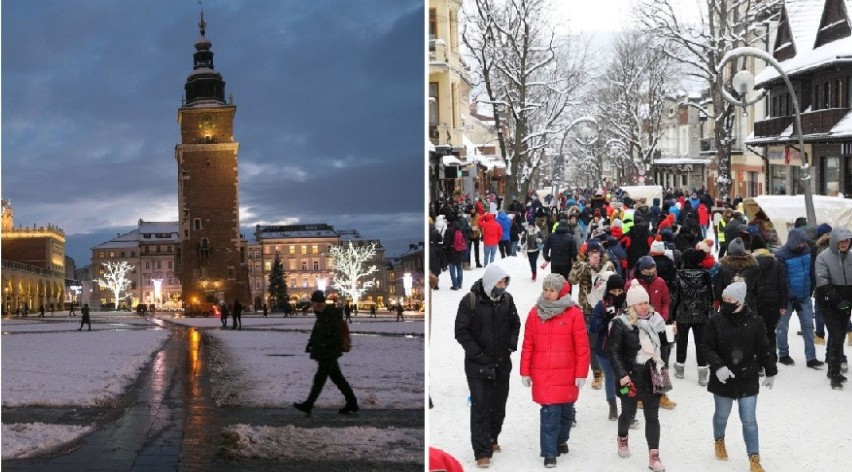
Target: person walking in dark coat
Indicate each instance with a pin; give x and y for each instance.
(560, 250)
(737, 263)
(72, 312)
(347, 311)
(41, 310)
(238, 319)
(224, 313)
(266, 310)
(736, 347)
(399, 316)
(85, 319)
(690, 310)
(326, 346)
(487, 327)
(372, 311)
(772, 296)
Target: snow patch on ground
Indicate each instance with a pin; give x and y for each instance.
(22, 440)
(290, 443)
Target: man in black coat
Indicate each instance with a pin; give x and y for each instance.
(487, 326)
(772, 296)
(326, 346)
(560, 249)
(237, 315)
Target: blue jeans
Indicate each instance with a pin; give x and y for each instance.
(806, 320)
(490, 251)
(748, 417)
(456, 274)
(514, 248)
(555, 426)
(609, 376)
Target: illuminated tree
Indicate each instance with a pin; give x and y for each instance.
(115, 278)
(349, 263)
(277, 285)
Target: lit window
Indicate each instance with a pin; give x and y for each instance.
(304, 283)
(304, 265)
(267, 266)
(304, 249)
(314, 249)
(316, 265)
(292, 250)
(112, 254)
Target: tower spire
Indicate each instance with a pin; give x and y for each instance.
(201, 24)
(204, 83)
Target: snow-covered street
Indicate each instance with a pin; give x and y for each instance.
(47, 363)
(804, 425)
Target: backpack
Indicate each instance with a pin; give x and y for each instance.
(459, 243)
(347, 339)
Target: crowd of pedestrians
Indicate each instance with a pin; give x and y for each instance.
(645, 276)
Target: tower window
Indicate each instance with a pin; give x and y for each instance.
(196, 223)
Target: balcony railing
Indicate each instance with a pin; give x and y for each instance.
(12, 265)
(437, 51)
(771, 127)
(821, 121)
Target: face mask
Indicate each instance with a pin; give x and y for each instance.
(497, 292)
(614, 300)
(648, 278)
(728, 308)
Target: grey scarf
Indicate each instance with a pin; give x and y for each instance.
(548, 309)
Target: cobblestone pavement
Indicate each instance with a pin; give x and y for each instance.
(168, 421)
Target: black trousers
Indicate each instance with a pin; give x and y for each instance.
(505, 248)
(562, 270)
(329, 368)
(682, 338)
(651, 407)
(473, 246)
(237, 321)
(835, 323)
(488, 408)
(770, 316)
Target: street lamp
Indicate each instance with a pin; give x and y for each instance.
(407, 283)
(158, 289)
(321, 284)
(588, 142)
(743, 82)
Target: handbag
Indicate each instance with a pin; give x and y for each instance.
(660, 380)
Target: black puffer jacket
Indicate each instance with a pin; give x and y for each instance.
(737, 341)
(666, 270)
(773, 282)
(488, 333)
(326, 340)
(560, 248)
(622, 345)
(747, 268)
(694, 299)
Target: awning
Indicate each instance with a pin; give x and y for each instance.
(451, 160)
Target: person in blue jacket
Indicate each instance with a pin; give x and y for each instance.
(505, 243)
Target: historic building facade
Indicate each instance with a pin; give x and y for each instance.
(210, 258)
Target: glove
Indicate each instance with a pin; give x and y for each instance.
(724, 373)
(768, 382)
(579, 382)
(526, 380)
(844, 306)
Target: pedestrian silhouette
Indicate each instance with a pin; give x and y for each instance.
(265, 310)
(223, 313)
(347, 309)
(41, 310)
(237, 315)
(326, 346)
(85, 319)
(399, 316)
(71, 312)
(372, 311)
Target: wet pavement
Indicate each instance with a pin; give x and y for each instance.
(169, 421)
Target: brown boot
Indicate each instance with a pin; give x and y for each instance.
(483, 462)
(597, 382)
(721, 451)
(667, 403)
(754, 463)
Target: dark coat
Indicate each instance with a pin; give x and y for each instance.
(602, 314)
(488, 333)
(638, 244)
(737, 341)
(560, 248)
(326, 341)
(622, 345)
(667, 271)
(437, 256)
(747, 268)
(733, 228)
(773, 282)
(694, 297)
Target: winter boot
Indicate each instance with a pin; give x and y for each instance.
(667, 403)
(836, 383)
(754, 463)
(562, 448)
(483, 462)
(654, 461)
(533, 277)
(703, 375)
(679, 368)
(819, 339)
(849, 337)
(721, 451)
(597, 381)
(623, 448)
(549, 462)
(613, 411)
(304, 407)
(844, 367)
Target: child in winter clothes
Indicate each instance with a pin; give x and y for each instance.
(605, 311)
(633, 347)
(555, 362)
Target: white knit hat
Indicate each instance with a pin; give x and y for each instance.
(736, 290)
(636, 294)
(658, 247)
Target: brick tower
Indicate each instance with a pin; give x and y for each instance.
(210, 258)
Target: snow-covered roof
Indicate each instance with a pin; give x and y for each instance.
(126, 240)
(451, 160)
(158, 227)
(299, 234)
(489, 161)
(804, 17)
(669, 161)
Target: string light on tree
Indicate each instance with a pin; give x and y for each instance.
(349, 263)
(115, 278)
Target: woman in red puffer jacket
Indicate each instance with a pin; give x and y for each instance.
(555, 362)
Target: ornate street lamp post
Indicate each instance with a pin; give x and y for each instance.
(743, 82)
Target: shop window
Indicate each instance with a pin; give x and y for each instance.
(830, 182)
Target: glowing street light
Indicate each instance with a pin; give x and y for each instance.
(321, 284)
(158, 289)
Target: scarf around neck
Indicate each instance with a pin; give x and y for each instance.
(548, 309)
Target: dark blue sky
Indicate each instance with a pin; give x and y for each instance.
(329, 96)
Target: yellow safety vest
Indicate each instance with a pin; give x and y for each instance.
(720, 228)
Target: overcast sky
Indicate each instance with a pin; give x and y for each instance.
(329, 98)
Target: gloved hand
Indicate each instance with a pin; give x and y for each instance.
(724, 373)
(526, 380)
(844, 306)
(768, 382)
(579, 382)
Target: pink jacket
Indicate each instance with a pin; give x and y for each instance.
(555, 353)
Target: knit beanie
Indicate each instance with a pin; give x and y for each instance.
(706, 246)
(658, 247)
(553, 282)
(736, 247)
(824, 228)
(636, 294)
(593, 245)
(737, 291)
(646, 262)
(614, 281)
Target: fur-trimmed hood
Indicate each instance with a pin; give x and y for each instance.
(738, 263)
